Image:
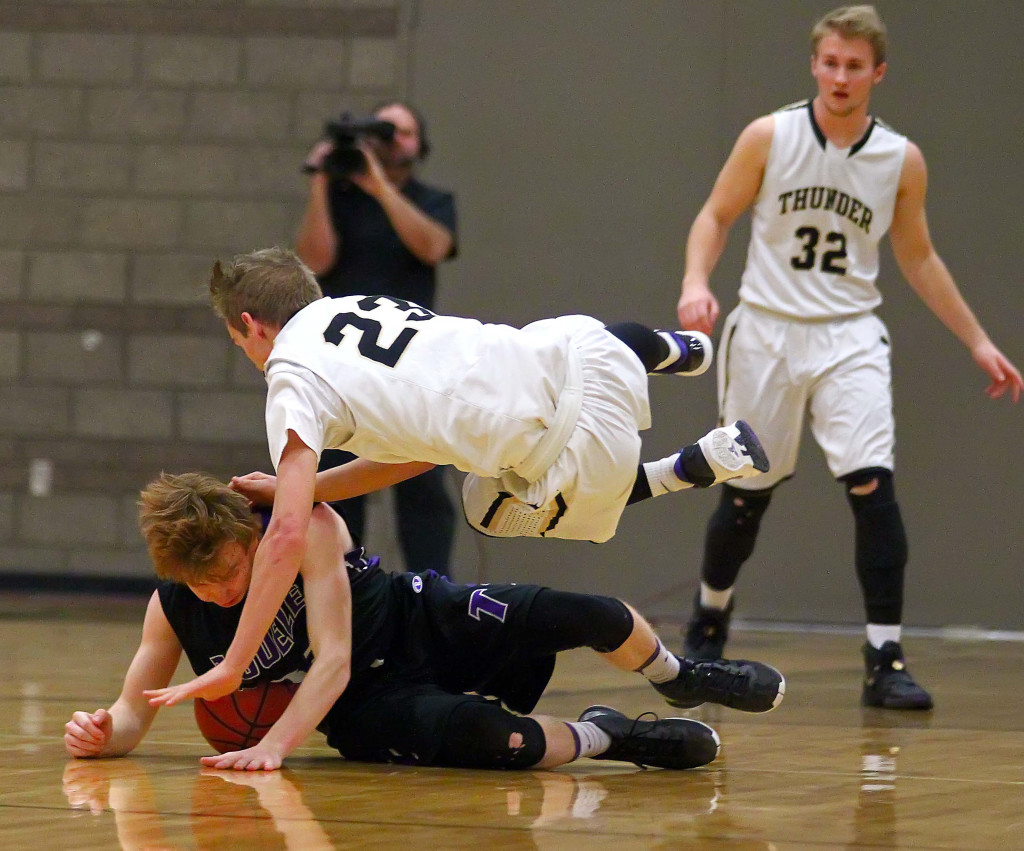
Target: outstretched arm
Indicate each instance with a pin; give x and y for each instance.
(354, 478)
(931, 280)
(329, 624)
(735, 190)
(117, 730)
(274, 570)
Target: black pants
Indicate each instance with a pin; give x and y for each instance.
(425, 516)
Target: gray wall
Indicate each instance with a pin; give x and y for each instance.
(140, 140)
(582, 138)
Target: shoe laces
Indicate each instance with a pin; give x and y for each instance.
(632, 731)
(716, 676)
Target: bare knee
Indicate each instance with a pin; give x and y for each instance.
(866, 488)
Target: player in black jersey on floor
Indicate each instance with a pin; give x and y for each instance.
(387, 661)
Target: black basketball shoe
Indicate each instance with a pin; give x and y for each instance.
(660, 742)
(707, 632)
(887, 682)
(738, 684)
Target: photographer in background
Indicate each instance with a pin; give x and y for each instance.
(371, 228)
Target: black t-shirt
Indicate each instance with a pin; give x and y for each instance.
(205, 630)
(372, 260)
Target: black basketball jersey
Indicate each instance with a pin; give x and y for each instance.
(205, 630)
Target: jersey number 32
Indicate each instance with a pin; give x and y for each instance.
(830, 260)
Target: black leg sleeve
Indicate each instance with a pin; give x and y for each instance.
(731, 535)
(645, 343)
(562, 620)
(426, 522)
(481, 734)
(880, 549)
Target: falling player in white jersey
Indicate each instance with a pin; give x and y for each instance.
(825, 181)
(545, 419)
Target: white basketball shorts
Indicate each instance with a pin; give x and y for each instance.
(582, 494)
(771, 370)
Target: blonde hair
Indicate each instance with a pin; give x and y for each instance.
(271, 284)
(186, 519)
(852, 22)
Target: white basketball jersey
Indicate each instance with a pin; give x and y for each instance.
(390, 381)
(818, 218)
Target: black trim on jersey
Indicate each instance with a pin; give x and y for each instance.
(814, 125)
(562, 508)
(823, 140)
(725, 346)
(863, 139)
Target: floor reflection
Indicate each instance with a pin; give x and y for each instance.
(150, 804)
(227, 809)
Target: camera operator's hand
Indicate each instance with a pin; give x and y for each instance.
(315, 158)
(374, 181)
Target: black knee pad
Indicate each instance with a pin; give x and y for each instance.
(645, 343)
(881, 544)
(481, 734)
(564, 620)
(732, 533)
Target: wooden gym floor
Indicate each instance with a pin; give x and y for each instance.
(820, 772)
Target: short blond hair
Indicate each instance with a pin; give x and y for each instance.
(271, 284)
(186, 519)
(852, 22)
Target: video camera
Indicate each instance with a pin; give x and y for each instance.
(346, 158)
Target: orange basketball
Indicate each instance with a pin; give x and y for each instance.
(239, 720)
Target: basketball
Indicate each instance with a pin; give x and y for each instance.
(239, 720)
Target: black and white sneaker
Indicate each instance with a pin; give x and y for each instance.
(699, 352)
(887, 682)
(707, 632)
(737, 683)
(658, 742)
(725, 453)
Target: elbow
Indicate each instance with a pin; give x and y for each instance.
(437, 251)
(429, 256)
(717, 221)
(912, 266)
(319, 260)
(316, 249)
(437, 256)
(337, 673)
(288, 535)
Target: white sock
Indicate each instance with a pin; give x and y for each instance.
(661, 666)
(674, 350)
(712, 599)
(662, 478)
(590, 739)
(879, 633)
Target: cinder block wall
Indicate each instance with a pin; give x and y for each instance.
(138, 142)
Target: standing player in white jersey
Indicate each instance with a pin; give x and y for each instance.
(544, 419)
(826, 181)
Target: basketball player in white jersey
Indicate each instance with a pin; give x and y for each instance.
(545, 419)
(825, 181)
